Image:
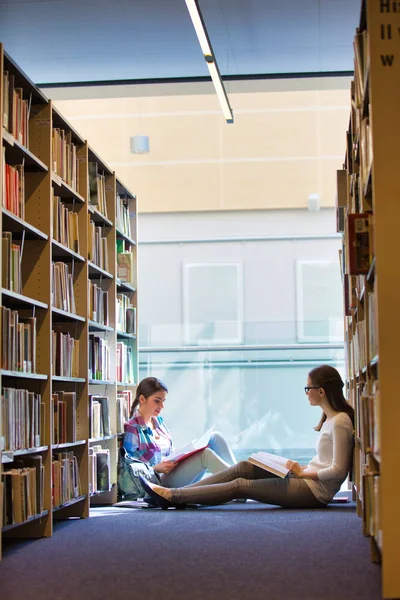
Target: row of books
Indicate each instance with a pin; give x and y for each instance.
(371, 494)
(99, 470)
(65, 354)
(368, 417)
(372, 325)
(363, 344)
(125, 314)
(124, 403)
(99, 358)
(16, 109)
(22, 419)
(64, 417)
(360, 349)
(360, 64)
(123, 221)
(11, 263)
(365, 151)
(98, 303)
(13, 188)
(65, 225)
(65, 478)
(125, 363)
(62, 289)
(97, 189)
(359, 245)
(65, 161)
(97, 246)
(18, 341)
(99, 416)
(23, 487)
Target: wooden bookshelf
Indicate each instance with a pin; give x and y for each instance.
(56, 192)
(368, 214)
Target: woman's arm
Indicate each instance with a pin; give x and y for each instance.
(342, 448)
(301, 471)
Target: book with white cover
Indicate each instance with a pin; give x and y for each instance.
(270, 462)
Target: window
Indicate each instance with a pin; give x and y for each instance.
(319, 301)
(213, 303)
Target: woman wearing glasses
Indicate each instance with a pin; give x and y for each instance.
(309, 486)
(147, 446)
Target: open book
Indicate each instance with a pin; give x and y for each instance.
(270, 462)
(196, 445)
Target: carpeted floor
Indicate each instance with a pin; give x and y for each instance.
(235, 551)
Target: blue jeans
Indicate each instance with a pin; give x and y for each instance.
(217, 457)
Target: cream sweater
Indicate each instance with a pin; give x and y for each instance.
(333, 459)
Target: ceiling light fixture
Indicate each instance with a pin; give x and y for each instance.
(206, 48)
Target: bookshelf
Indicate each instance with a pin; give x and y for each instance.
(367, 215)
(61, 328)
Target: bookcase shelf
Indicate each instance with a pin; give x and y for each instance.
(62, 189)
(57, 192)
(64, 315)
(126, 238)
(29, 520)
(20, 301)
(21, 375)
(101, 439)
(125, 287)
(17, 225)
(98, 217)
(68, 445)
(18, 153)
(9, 456)
(368, 192)
(95, 271)
(69, 503)
(68, 379)
(94, 326)
(61, 251)
(129, 336)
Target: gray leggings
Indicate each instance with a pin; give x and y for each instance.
(245, 480)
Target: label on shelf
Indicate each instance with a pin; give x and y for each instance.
(42, 122)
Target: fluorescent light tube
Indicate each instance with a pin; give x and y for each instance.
(199, 27)
(220, 90)
(205, 45)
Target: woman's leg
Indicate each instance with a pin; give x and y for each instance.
(288, 493)
(245, 480)
(220, 446)
(193, 468)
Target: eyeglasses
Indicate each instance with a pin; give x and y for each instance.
(311, 387)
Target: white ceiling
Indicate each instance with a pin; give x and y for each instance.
(57, 41)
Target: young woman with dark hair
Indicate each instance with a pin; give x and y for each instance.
(147, 445)
(309, 486)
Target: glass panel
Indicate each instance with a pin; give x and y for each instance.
(253, 394)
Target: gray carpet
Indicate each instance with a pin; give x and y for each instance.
(236, 551)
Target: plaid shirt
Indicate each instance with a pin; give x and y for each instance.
(139, 440)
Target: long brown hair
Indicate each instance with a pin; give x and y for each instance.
(147, 387)
(329, 379)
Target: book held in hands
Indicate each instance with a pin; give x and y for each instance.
(195, 446)
(270, 462)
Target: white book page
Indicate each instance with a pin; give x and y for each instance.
(280, 460)
(195, 444)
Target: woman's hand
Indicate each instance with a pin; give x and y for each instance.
(294, 468)
(165, 466)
